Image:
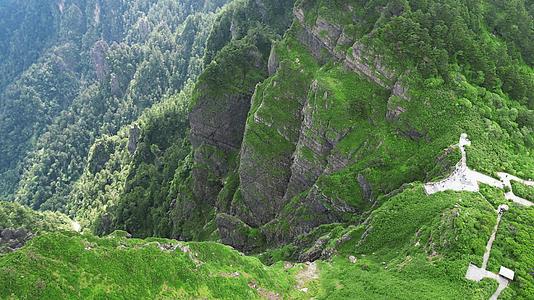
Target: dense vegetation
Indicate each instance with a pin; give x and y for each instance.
(451, 231)
(104, 63)
(290, 131)
(19, 224)
(13, 215)
(152, 186)
(118, 268)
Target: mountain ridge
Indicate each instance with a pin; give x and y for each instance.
(302, 132)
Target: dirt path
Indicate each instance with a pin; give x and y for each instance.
(309, 273)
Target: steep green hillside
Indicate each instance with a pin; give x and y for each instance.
(350, 106)
(19, 224)
(66, 266)
(13, 215)
(177, 175)
(413, 246)
(305, 132)
(101, 65)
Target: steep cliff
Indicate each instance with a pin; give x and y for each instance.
(307, 136)
(285, 135)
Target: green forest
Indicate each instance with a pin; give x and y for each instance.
(266, 149)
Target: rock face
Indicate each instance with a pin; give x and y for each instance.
(98, 55)
(287, 145)
(235, 232)
(304, 172)
(217, 128)
(266, 155)
(273, 63)
(304, 213)
(366, 187)
(332, 38)
(217, 123)
(12, 239)
(259, 158)
(133, 139)
(314, 153)
(221, 126)
(399, 95)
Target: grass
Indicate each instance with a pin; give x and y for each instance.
(413, 278)
(523, 191)
(412, 246)
(513, 249)
(67, 266)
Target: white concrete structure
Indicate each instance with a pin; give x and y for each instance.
(507, 181)
(467, 180)
(76, 226)
(506, 273)
(464, 179)
(477, 274)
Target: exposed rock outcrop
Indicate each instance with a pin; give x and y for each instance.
(306, 212)
(280, 160)
(12, 239)
(273, 63)
(314, 156)
(235, 232)
(98, 56)
(396, 102)
(324, 35)
(133, 139)
(219, 122)
(366, 188)
(285, 144)
(267, 151)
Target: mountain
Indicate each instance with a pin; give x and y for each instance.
(384, 148)
(85, 79)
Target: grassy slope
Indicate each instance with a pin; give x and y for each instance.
(68, 266)
(453, 227)
(414, 246)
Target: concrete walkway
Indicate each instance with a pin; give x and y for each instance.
(476, 274)
(486, 256)
(507, 181)
(467, 180)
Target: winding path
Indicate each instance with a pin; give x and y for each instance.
(465, 179)
(309, 273)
